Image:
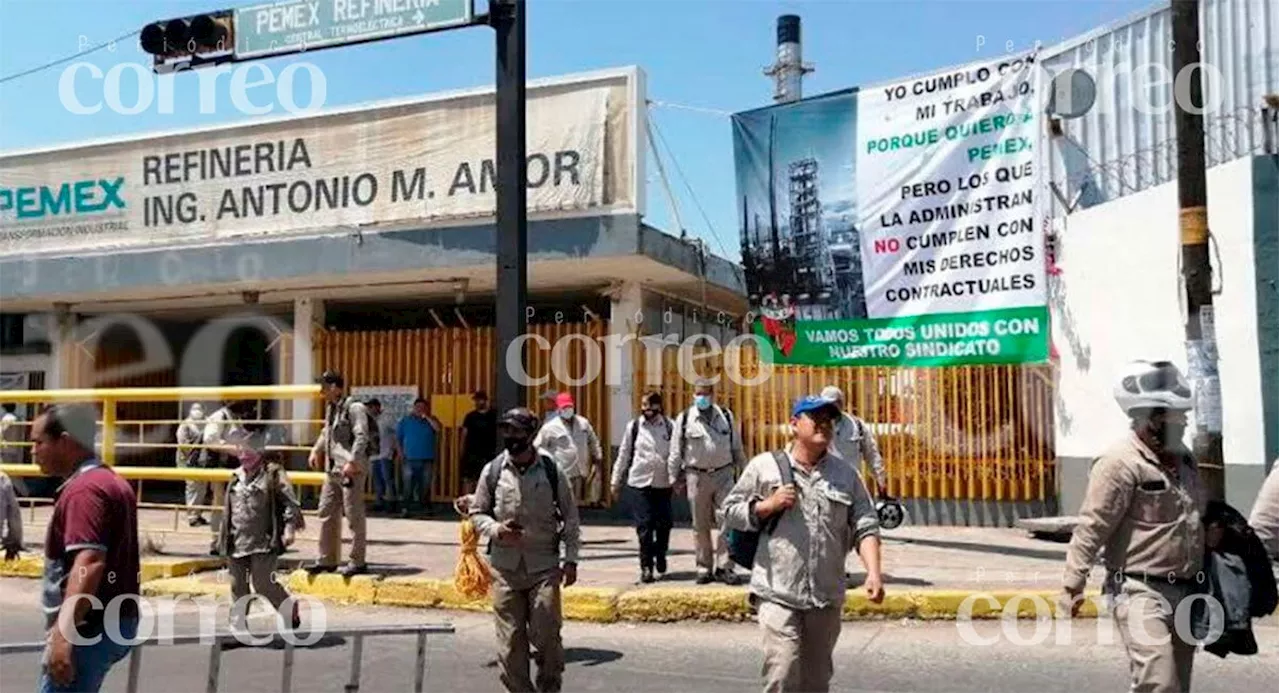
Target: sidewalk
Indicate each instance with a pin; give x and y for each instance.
(929, 571)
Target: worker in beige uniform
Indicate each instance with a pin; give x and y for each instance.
(571, 441)
(854, 441)
(221, 428)
(1266, 511)
(808, 527)
(342, 450)
(523, 504)
(706, 449)
(1142, 511)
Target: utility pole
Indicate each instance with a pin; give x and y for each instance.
(1193, 223)
(508, 20)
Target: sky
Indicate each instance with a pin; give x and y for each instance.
(702, 58)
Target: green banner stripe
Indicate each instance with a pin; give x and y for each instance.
(1007, 336)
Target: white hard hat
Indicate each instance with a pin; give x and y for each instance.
(833, 393)
(1152, 385)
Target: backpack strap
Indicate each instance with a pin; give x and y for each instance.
(553, 475)
(728, 417)
(491, 480)
(635, 433)
(684, 433)
(784, 473)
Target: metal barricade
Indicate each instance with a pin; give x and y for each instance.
(217, 640)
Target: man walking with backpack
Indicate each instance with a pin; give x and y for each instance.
(524, 506)
(342, 450)
(809, 509)
(642, 465)
(708, 447)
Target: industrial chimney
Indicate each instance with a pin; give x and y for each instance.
(789, 69)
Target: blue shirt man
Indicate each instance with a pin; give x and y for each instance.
(417, 436)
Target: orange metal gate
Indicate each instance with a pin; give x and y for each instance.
(455, 362)
(965, 433)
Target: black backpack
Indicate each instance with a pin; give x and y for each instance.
(744, 544)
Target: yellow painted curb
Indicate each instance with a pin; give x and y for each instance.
(32, 566)
(667, 604)
(157, 568)
(598, 604)
(450, 598)
(23, 566)
(356, 590)
(411, 592)
(185, 587)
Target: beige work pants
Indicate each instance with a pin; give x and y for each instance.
(216, 516)
(526, 611)
(337, 501)
(707, 491)
(798, 647)
(1159, 661)
(256, 570)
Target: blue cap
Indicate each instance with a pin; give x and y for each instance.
(811, 403)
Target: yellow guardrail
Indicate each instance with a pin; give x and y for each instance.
(171, 474)
(110, 397)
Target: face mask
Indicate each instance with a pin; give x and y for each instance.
(702, 401)
(516, 445)
(566, 413)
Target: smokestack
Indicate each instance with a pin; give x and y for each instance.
(789, 68)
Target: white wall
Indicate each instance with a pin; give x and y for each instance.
(1122, 298)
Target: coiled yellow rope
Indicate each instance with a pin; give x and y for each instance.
(471, 578)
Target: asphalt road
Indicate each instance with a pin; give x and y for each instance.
(911, 656)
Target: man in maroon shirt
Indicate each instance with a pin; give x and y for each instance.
(91, 565)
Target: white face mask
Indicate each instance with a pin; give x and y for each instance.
(566, 413)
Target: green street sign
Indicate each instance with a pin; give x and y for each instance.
(292, 26)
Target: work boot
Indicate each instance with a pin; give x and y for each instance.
(646, 575)
(704, 579)
(660, 563)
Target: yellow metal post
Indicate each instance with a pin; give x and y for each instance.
(108, 431)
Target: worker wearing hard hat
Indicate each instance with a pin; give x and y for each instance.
(1142, 510)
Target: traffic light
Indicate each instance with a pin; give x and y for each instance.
(197, 38)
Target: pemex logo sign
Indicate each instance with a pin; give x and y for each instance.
(73, 198)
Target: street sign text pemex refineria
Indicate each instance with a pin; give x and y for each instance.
(289, 27)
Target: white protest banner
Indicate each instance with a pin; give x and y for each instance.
(426, 162)
(945, 188)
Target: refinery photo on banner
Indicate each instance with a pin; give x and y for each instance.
(898, 224)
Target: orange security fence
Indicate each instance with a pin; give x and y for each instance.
(965, 433)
